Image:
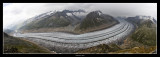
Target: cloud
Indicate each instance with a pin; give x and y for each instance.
(14, 13)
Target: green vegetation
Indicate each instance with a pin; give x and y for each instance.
(141, 49)
(103, 48)
(145, 34)
(16, 45)
(52, 22)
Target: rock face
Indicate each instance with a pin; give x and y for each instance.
(68, 21)
(53, 20)
(96, 18)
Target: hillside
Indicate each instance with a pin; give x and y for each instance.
(145, 34)
(103, 48)
(17, 45)
(96, 20)
(53, 20)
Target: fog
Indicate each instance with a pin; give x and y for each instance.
(14, 13)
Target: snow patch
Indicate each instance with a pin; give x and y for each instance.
(69, 14)
(49, 13)
(99, 13)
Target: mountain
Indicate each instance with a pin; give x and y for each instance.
(74, 21)
(138, 20)
(94, 21)
(53, 19)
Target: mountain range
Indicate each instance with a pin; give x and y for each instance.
(139, 20)
(74, 21)
(69, 20)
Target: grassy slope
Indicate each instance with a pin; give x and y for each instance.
(17, 45)
(146, 36)
(141, 49)
(102, 48)
(143, 40)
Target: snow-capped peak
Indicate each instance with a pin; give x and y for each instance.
(49, 13)
(99, 13)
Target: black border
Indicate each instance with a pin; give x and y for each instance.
(76, 1)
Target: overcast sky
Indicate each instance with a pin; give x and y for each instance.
(17, 12)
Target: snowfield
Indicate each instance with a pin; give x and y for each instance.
(68, 43)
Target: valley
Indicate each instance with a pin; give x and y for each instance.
(58, 40)
(79, 31)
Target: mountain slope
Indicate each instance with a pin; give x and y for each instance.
(17, 45)
(102, 48)
(68, 21)
(53, 20)
(96, 20)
